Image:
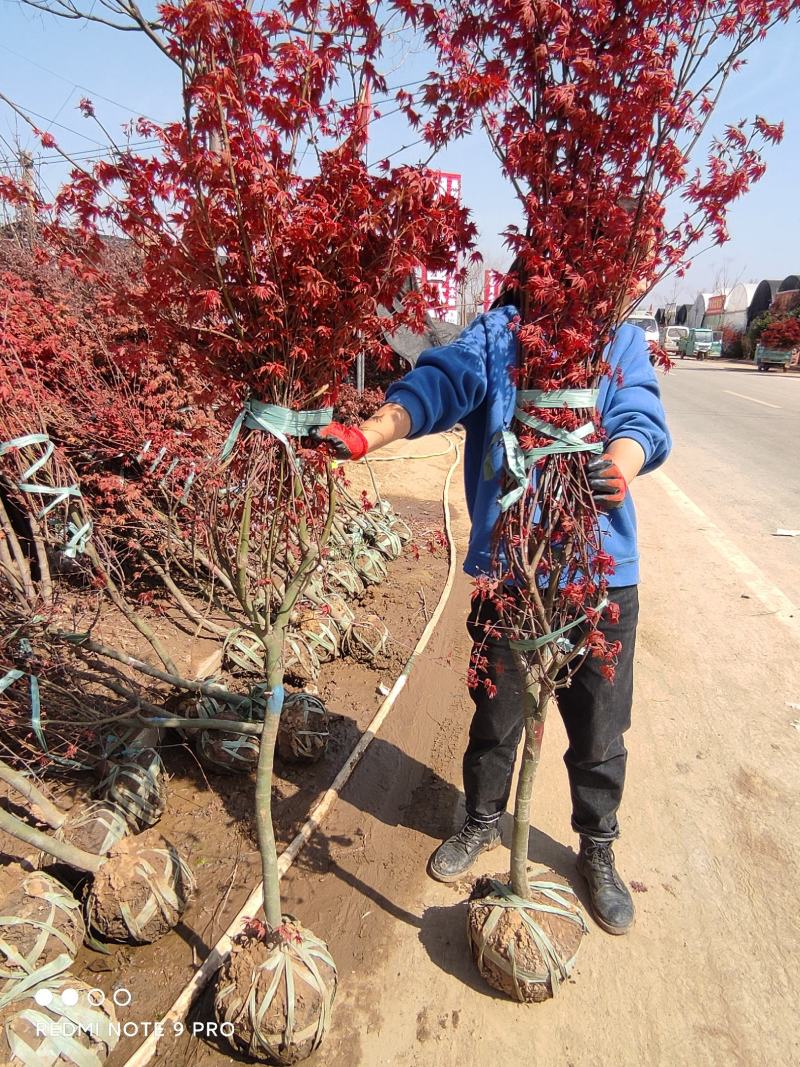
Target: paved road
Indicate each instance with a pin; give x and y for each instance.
(737, 456)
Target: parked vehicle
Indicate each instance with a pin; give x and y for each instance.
(670, 338)
(697, 343)
(772, 357)
(716, 345)
(646, 323)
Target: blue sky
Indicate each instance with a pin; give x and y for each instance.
(47, 64)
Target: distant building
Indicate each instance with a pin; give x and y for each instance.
(682, 314)
(698, 310)
(715, 311)
(737, 305)
(762, 299)
(446, 305)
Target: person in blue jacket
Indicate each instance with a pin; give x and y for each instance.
(469, 381)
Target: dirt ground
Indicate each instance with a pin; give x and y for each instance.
(709, 974)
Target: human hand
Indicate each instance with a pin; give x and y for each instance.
(607, 483)
(343, 442)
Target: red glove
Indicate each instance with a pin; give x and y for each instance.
(607, 483)
(343, 442)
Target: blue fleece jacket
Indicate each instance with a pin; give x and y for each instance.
(468, 381)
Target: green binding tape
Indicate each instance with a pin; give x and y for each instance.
(531, 644)
(9, 678)
(558, 398)
(518, 462)
(36, 718)
(281, 423)
(79, 535)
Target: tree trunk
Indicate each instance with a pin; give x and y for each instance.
(536, 701)
(266, 760)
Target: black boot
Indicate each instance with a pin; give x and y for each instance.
(458, 853)
(612, 905)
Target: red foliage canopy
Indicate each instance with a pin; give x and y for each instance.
(262, 267)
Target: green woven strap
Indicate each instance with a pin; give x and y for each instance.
(59, 493)
(558, 398)
(281, 423)
(556, 968)
(54, 1047)
(79, 535)
(169, 890)
(532, 643)
(518, 462)
(9, 678)
(36, 718)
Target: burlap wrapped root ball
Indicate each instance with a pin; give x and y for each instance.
(96, 828)
(276, 990)
(370, 565)
(339, 610)
(139, 894)
(245, 650)
(343, 578)
(366, 639)
(41, 931)
(138, 786)
(386, 541)
(401, 528)
(303, 730)
(525, 948)
(219, 750)
(300, 663)
(322, 633)
(61, 1022)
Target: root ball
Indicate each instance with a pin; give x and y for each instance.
(369, 565)
(219, 750)
(139, 894)
(277, 991)
(303, 730)
(366, 639)
(98, 827)
(322, 633)
(138, 786)
(525, 948)
(343, 578)
(301, 662)
(41, 930)
(50, 1029)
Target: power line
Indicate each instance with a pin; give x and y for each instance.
(74, 84)
(88, 156)
(61, 126)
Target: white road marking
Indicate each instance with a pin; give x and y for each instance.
(730, 392)
(758, 584)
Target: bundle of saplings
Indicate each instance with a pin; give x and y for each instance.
(594, 113)
(264, 276)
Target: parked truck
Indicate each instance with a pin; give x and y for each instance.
(697, 343)
(773, 357)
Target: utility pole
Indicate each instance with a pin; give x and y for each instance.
(26, 211)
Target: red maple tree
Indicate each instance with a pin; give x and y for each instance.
(597, 113)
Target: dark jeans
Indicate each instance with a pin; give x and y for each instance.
(596, 714)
